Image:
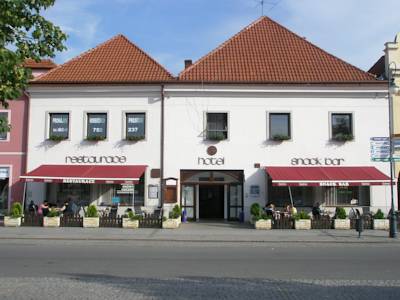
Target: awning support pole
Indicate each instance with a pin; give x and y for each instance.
(290, 195)
(24, 198)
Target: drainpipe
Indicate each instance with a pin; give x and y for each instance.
(162, 152)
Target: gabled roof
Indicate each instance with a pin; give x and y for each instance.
(42, 64)
(267, 52)
(117, 61)
(378, 69)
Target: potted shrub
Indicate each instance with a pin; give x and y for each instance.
(255, 212)
(302, 220)
(174, 219)
(91, 219)
(130, 220)
(14, 219)
(343, 137)
(341, 221)
(380, 222)
(263, 222)
(280, 137)
(52, 219)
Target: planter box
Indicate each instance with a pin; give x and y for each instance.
(304, 224)
(263, 224)
(381, 224)
(128, 223)
(12, 222)
(171, 223)
(341, 223)
(51, 221)
(91, 222)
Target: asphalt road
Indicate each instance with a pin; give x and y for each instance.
(172, 270)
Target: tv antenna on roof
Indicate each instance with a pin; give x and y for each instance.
(262, 3)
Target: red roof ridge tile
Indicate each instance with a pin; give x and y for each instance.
(221, 45)
(42, 78)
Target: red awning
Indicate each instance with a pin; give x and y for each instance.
(326, 176)
(86, 174)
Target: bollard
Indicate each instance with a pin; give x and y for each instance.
(359, 226)
(184, 216)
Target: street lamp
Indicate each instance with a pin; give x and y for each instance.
(393, 90)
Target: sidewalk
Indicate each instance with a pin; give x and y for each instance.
(198, 232)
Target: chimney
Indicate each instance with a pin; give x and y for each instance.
(188, 63)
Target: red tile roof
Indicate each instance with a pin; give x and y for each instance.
(266, 52)
(43, 64)
(378, 69)
(115, 61)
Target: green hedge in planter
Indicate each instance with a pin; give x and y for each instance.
(53, 213)
(255, 210)
(176, 212)
(342, 137)
(133, 217)
(340, 213)
(16, 210)
(379, 215)
(302, 215)
(91, 212)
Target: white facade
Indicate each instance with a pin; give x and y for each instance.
(78, 101)
(248, 148)
(248, 143)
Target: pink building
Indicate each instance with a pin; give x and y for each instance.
(13, 143)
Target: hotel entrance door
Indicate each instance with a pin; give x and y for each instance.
(211, 201)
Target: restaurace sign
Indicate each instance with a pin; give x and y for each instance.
(317, 161)
(83, 159)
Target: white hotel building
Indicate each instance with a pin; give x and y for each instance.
(266, 117)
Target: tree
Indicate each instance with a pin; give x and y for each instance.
(24, 33)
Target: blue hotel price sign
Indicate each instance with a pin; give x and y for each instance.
(380, 149)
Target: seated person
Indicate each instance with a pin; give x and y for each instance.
(32, 208)
(316, 210)
(270, 209)
(45, 208)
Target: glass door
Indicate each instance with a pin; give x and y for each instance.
(188, 200)
(235, 201)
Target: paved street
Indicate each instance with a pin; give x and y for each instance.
(145, 269)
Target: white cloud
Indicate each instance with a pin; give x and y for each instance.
(76, 19)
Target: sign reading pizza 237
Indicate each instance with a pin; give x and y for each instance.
(316, 161)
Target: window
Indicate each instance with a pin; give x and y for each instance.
(135, 126)
(347, 196)
(342, 126)
(279, 126)
(4, 116)
(96, 126)
(59, 126)
(123, 194)
(217, 126)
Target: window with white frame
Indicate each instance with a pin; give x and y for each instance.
(96, 126)
(59, 126)
(279, 126)
(4, 118)
(342, 126)
(135, 126)
(217, 126)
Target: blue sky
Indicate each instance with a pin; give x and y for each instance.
(174, 30)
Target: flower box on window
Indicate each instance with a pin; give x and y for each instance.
(95, 138)
(134, 138)
(216, 135)
(280, 137)
(342, 137)
(57, 138)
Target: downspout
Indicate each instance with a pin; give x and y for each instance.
(162, 152)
